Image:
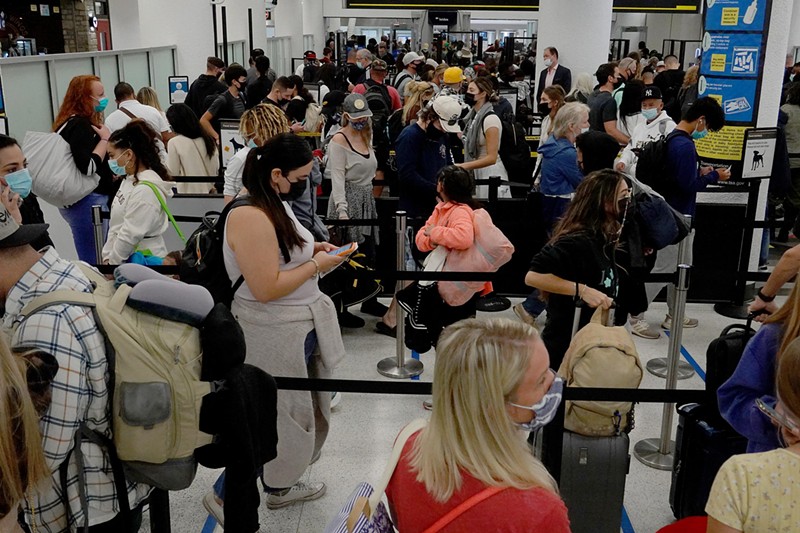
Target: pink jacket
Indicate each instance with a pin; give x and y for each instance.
(451, 227)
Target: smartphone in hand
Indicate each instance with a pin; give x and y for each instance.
(345, 250)
(775, 416)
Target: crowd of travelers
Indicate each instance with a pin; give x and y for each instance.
(422, 125)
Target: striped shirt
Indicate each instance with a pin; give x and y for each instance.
(79, 395)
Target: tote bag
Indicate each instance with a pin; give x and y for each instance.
(56, 178)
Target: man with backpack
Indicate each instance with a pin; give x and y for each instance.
(382, 100)
(682, 178)
(413, 62)
(69, 338)
(657, 125)
(205, 85)
(229, 104)
(670, 82)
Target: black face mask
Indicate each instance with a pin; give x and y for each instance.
(283, 102)
(618, 82)
(622, 209)
(296, 190)
(433, 131)
(544, 109)
(469, 99)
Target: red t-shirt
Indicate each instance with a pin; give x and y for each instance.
(509, 511)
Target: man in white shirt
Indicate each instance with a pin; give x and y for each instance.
(128, 108)
(658, 124)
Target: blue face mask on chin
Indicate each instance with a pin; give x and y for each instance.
(696, 135)
(545, 409)
(19, 182)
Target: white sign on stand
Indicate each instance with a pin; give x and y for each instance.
(229, 140)
(759, 153)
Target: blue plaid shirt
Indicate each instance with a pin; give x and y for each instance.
(79, 395)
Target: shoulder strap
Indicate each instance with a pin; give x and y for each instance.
(127, 112)
(161, 201)
(68, 297)
(662, 127)
(346, 139)
(466, 505)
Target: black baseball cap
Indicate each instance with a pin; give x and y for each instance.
(13, 235)
(652, 93)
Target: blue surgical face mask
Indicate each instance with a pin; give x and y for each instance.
(101, 104)
(696, 135)
(358, 126)
(252, 144)
(19, 182)
(116, 168)
(545, 410)
(650, 114)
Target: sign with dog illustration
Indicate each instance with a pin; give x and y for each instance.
(759, 152)
(230, 142)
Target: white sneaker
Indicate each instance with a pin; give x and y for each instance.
(427, 405)
(214, 508)
(524, 315)
(687, 323)
(641, 328)
(299, 492)
(336, 399)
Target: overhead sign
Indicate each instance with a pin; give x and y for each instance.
(442, 18)
(735, 15)
(737, 97)
(627, 6)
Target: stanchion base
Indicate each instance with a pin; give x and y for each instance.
(658, 367)
(647, 451)
(388, 367)
(731, 310)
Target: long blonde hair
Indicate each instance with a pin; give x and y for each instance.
(148, 96)
(788, 316)
(365, 134)
(479, 367)
(417, 93)
(22, 463)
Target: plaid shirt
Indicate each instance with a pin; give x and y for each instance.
(79, 395)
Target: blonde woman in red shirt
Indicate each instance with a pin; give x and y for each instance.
(492, 380)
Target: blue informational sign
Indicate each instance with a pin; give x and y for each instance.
(731, 54)
(735, 15)
(737, 97)
(178, 89)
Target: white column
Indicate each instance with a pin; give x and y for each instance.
(314, 24)
(771, 87)
(579, 29)
(289, 23)
(794, 31)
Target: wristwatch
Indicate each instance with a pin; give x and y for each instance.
(763, 297)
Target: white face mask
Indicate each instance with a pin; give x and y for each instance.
(548, 62)
(584, 130)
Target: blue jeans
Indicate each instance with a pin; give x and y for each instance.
(308, 347)
(533, 304)
(553, 208)
(79, 218)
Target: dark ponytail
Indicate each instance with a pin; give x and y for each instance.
(140, 138)
(285, 152)
(458, 185)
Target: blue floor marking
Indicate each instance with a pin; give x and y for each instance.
(210, 525)
(415, 355)
(686, 355)
(627, 527)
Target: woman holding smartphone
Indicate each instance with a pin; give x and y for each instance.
(754, 377)
(289, 326)
(759, 492)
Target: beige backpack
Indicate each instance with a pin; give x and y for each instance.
(606, 357)
(157, 392)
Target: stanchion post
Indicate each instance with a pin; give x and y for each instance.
(398, 366)
(97, 224)
(658, 365)
(494, 185)
(659, 453)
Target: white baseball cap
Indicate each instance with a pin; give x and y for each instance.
(449, 111)
(411, 57)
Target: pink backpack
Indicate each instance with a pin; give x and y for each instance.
(489, 252)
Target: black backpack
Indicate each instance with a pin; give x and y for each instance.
(652, 165)
(202, 260)
(380, 103)
(515, 152)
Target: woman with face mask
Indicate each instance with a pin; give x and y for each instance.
(492, 379)
(352, 165)
(560, 174)
(482, 137)
(138, 219)
(80, 123)
(15, 189)
(289, 326)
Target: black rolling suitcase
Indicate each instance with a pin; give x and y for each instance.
(723, 356)
(703, 443)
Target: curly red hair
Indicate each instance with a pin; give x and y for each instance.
(78, 101)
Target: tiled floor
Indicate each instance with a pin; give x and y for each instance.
(364, 427)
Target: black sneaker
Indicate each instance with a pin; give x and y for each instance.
(349, 320)
(491, 303)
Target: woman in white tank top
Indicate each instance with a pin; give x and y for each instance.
(289, 325)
